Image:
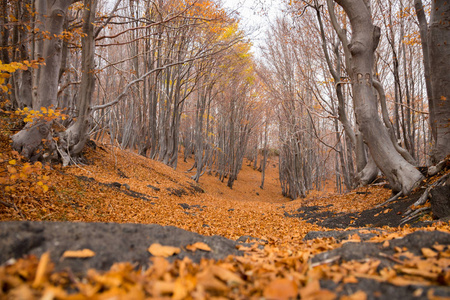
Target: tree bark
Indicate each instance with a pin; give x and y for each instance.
(47, 89)
(365, 37)
(439, 51)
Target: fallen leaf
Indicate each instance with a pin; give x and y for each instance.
(164, 251)
(418, 293)
(198, 246)
(417, 272)
(428, 253)
(439, 248)
(207, 280)
(162, 287)
(281, 288)
(40, 272)
(85, 253)
(226, 275)
(359, 295)
(350, 279)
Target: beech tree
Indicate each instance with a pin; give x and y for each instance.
(435, 37)
(51, 17)
(365, 38)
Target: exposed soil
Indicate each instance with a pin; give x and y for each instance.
(111, 243)
(391, 214)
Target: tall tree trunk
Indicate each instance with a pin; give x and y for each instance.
(439, 51)
(436, 54)
(77, 134)
(265, 151)
(47, 89)
(365, 37)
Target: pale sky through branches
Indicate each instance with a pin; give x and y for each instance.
(255, 17)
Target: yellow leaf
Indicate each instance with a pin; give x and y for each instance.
(45, 188)
(85, 253)
(12, 162)
(164, 251)
(40, 183)
(198, 246)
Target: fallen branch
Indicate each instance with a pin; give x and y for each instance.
(416, 214)
(426, 194)
(390, 257)
(7, 204)
(327, 261)
(390, 200)
(13, 205)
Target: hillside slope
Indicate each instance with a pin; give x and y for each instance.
(123, 187)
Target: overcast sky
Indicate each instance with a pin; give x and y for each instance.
(255, 16)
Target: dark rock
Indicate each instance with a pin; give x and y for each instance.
(111, 242)
(196, 188)
(414, 242)
(388, 215)
(116, 184)
(154, 187)
(374, 289)
(250, 239)
(440, 201)
(184, 205)
(206, 226)
(231, 209)
(121, 174)
(177, 192)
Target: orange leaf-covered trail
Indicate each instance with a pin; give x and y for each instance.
(123, 187)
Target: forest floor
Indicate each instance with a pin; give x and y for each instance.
(238, 243)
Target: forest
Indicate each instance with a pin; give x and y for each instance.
(155, 77)
(168, 112)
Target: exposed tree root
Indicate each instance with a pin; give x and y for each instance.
(416, 214)
(392, 199)
(425, 196)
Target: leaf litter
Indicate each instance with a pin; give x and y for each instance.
(279, 268)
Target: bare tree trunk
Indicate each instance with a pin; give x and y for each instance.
(49, 76)
(28, 141)
(439, 56)
(265, 151)
(77, 134)
(436, 53)
(365, 37)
